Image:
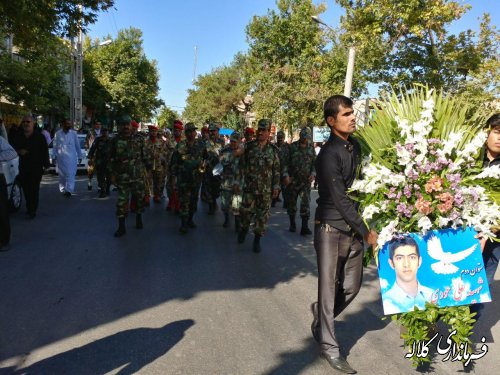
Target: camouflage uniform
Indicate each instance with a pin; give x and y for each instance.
(89, 141)
(259, 171)
(283, 155)
(229, 199)
(299, 166)
(128, 161)
(173, 196)
(99, 155)
(185, 164)
(211, 183)
(157, 151)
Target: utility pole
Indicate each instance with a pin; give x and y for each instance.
(76, 79)
(195, 61)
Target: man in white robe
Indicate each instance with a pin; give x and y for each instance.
(66, 151)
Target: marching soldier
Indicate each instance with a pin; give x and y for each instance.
(283, 154)
(186, 165)
(212, 183)
(157, 153)
(299, 173)
(99, 158)
(92, 135)
(230, 200)
(259, 173)
(128, 160)
(173, 197)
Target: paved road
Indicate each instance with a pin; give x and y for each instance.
(75, 300)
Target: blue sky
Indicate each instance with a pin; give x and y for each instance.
(172, 28)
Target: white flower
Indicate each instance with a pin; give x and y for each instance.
(424, 223)
(387, 233)
(370, 210)
(404, 156)
(451, 143)
(443, 221)
(473, 147)
(490, 172)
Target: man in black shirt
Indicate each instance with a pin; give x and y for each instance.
(33, 152)
(339, 229)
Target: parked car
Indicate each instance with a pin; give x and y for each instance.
(83, 163)
(10, 170)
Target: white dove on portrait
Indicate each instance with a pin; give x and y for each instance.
(445, 259)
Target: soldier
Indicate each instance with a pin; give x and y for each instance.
(298, 174)
(157, 153)
(173, 198)
(213, 146)
(98, 158)
(128, 160)
(205, 135)
(259, 174)
(283, 154)
(249, 134)
(186, 163)
(229, 160)
(89, 140)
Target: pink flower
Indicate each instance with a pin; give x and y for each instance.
(445, 207)
(445, 197)
(434, 184)
(423, 206)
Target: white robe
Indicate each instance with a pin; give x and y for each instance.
(66, 150)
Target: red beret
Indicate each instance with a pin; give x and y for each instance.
(249, 130)
(153, 127)
(134, 123)
(178, 125)
(204, 129)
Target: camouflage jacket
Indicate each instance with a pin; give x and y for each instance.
(100, 151)
(90, 138)
(187, 160)
(283, 154)
(128, 157)
(230, 164)
(259, 168)
(212, 151)
(157, 151)
(299, 162)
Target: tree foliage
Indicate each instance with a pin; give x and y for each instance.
(292, 65)
(166, 117)
(37, 76)
(119, 76)
(32, 20)
(408, 42)
(217, 93)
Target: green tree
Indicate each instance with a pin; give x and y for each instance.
(29, 21)
(166, 117)
(293, 64)
(217, 94)
(407, 42)
(121, 76)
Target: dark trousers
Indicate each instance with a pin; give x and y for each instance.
(31, 188)
(340, 272)
(4, 213)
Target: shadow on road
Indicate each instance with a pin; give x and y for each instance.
(133, 349)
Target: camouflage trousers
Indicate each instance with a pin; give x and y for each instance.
(129, 189)
(210, 188)
(230, 201)
(188, 197)
(294, 192)
(103, 177)
(258, 205)
(156, 183)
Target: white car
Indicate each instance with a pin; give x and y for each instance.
(10, 170)
(83, 163)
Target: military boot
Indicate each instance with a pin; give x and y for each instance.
(121, 227)
(226, 220)
(293, 226)
(242, 235)
(89, 185)
(138, 221)
(256, 244)
(190, 221)
(237, 223)
(305, 228)
(184, 228)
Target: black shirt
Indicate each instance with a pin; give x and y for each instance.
(336, 168)
(38, 153)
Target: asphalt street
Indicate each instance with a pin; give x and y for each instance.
(76, 300)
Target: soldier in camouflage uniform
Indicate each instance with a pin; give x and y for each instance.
(157, 152)
(173, 197)
(259, 174)
(229, 161)
(92, 135)
(128, 160)
(99, 158)
(213, 146)
(186, 162)
(283, 154)
(299, 173)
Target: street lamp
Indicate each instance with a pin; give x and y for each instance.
(350, 61)
(76, 104)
